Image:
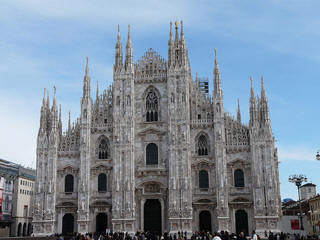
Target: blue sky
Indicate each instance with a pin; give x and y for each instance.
(44, 43)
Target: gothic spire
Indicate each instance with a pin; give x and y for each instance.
(54, 103)
(263, 91)
(253, 106)
(170, 35)
(170, 47)
(87, 68)
(86, 81)
(239, 112)
(118, 56)
(129, 52)
(43, 114)
(54, 110)
(181, 31)
(217, 80)
(48, 100)
(252, 89)
(177, 33)
(264, 106)
(44, 98)
(69, 123)
(60, 122)
(97, 94)
(197, 80)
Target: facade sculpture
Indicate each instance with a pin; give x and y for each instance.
(154, 145)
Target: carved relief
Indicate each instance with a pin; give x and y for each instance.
(152, 188)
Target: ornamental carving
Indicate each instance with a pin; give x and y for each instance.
(68, 170)
(151, 66)
(152, 188)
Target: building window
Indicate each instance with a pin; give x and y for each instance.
(202, 146)
(25, 211)
(102, 182)
(238, 178)
(151, 107)
(19, 230)
(68, 184)
(6, 203)
(203, 179)
(152, 154)
(103, 148)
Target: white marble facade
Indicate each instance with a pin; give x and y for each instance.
(154, 138)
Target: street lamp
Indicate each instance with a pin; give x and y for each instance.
(318, 156)
(298, 180)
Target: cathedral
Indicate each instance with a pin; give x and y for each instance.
(154, 153)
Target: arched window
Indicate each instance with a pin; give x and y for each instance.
(238, 178)
(103, 148)
(102, 182)
(24, 232)
(19, 230)
(202, 146)
(68, 183)
(151, 107)
(152, 154)
(203, 179)
(29, 229)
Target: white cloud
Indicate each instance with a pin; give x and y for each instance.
(18, 131)
(296, 153)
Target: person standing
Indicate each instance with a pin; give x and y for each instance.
(254, 235)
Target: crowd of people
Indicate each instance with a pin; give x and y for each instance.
(202, 235)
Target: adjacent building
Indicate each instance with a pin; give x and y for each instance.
(290, 221)
(155, 153)
(314, 204)
(16, 199)
(8, 173)
(308, 191)
(23, 202)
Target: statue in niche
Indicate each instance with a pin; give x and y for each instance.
(83, 203)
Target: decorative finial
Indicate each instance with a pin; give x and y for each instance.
(262, 81)
(97, 89)
(118, 36)
(181, 22)
(87, 66)
(55, 90)
(177, 25)
(215, 57)
(69, 122)
(129, 34)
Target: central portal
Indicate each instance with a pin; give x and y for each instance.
(205, 221)
(152, 216)
(101, 223)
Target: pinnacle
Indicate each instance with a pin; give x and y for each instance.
(87, 66)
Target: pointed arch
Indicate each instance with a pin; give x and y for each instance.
(202, 144)
(19, 230)
(152, 104)
(103, 148)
